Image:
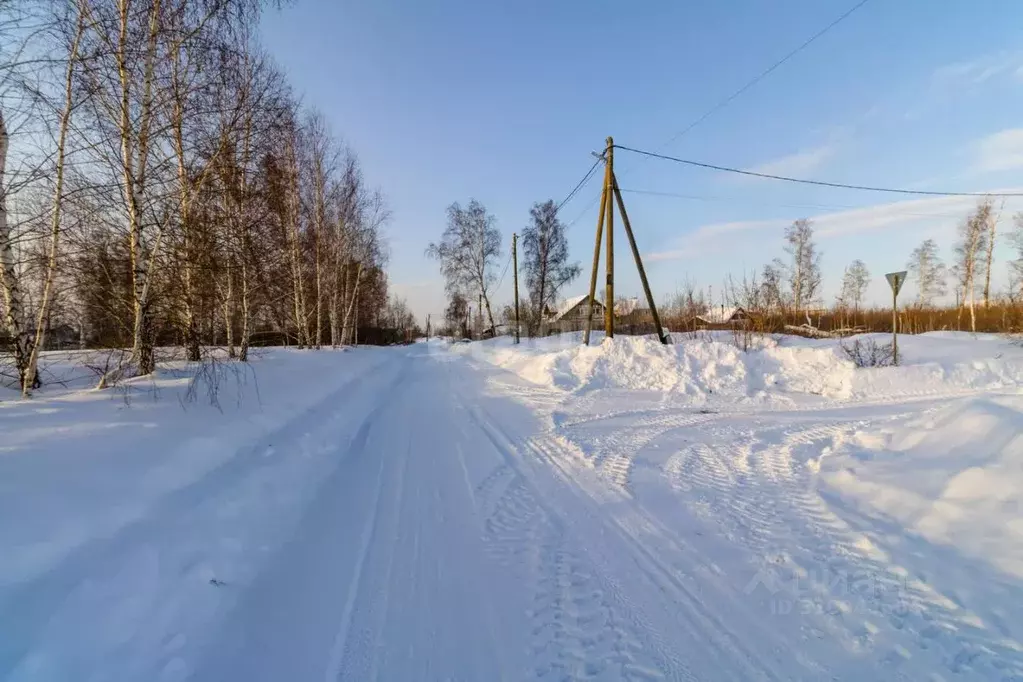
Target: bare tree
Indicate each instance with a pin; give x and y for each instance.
(804, 269)
(456, 314)
(1016, 266)
(468, 250)
(156, 189)
(854, 285)
(545, 259)
(926, 268)
(30, 378)
(10, 281)
(771, 283)
(973, 236)
(992, 228)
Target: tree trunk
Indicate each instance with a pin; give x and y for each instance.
(31, 380)
(14, 318)
(243, 346)
(133, 179)
(490, 315)
(973, 312)
(989, 260)
(229, 313)
(351, 306)
(319, 267)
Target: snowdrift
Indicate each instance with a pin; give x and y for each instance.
(952, 476)
(941, 363)
(692, 368)
(944, 362)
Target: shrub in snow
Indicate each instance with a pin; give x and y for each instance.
(869, 353)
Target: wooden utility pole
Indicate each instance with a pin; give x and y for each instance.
(515, 279)
(609, 291)
(639, 261)
(610, 195)
(596, 254)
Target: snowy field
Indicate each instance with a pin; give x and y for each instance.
(546, 511)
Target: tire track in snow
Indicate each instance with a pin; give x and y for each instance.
(576, 632)
(775, 509)
(39, 602)
(612, 451)
(578, 629)
(704, 627)
(336, 656)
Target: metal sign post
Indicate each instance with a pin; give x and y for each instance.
(895, 281)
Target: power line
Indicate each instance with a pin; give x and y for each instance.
(823, 207)
(579, 186)
(819, 183)
(738, 93)
(763, 74)
(501, 281)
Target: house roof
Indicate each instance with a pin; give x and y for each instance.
(569, 304)
(719, 315)
(629, 305)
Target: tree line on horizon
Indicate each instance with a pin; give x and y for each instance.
(786, 292)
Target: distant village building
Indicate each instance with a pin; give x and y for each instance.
(571, 315)
(722, 317)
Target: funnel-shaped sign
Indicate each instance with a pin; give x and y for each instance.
(896, 280)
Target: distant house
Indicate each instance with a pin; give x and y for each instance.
(572, 313)
(632, 310)
(732, 316)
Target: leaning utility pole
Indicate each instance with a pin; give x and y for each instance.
(639, 261)
(515, 278)
(608, 197)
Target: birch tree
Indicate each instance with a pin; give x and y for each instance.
(545, 259)
(468, 251)
(164, 193)
(771, 283)
(29, 380)
(992, 228)
(804, 268)
(854, 285)
(926, 268)
(1016, 265)
(973, 236)
(14, 307)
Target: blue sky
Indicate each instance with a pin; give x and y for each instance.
(503, 102)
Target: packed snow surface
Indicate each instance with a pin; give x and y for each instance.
(546, 511)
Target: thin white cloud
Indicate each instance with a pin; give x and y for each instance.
(799, 164)
(720, 237)
(709, 238)
(979, 70)
(1000, 151)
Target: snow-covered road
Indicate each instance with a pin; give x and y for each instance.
(428, 516)
(433, 552)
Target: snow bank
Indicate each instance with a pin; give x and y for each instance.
(690, 368)
(712, 365)
(953, 476)
(131, 523)
(944, 362)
